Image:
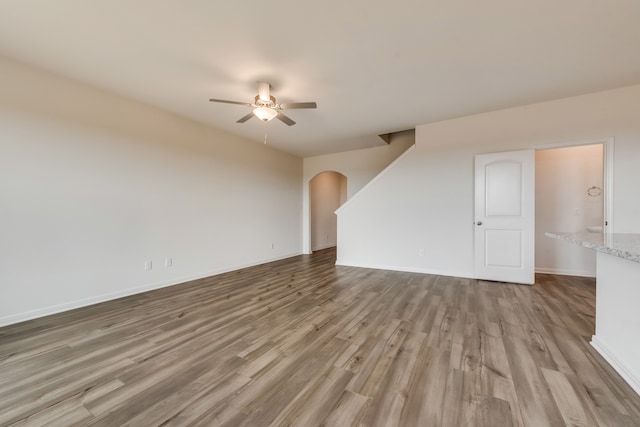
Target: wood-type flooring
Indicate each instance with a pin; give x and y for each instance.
(303, 342)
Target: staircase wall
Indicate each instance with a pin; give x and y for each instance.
(418, 215)
(358, 166)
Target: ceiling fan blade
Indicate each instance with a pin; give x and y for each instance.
(293, 105)
(286, 120)
(264, 91)
(246, 104)
(245, 118)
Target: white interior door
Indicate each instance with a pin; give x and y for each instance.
(505, 216)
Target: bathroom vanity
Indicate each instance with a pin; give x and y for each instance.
(617, 336)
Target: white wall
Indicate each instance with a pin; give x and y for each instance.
(327, 192)
(563, 176)
(426, 199)
(359, 166)
(92, 185)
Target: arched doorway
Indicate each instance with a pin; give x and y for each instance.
(327, 191)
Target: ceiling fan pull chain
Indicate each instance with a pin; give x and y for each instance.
(265, 133)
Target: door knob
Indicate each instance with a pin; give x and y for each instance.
(479, 223)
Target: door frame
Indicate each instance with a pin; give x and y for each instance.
(608, 157)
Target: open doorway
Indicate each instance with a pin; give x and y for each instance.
(570, 197)
(327, 192)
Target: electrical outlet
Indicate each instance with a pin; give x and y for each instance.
(421, 252)
(148, 265)
(273, 245)
(168, 262)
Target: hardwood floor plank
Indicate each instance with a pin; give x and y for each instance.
(389, 400)
(458, 408)
(159, 399)
(204, 407)
(378, 361)
(496, 381)
(424, 405)
(492, 412)
(567, 399)
(316, 400)
(304, 342)
(263, 406)
(43, 396)
(537, 407)
(347, 411)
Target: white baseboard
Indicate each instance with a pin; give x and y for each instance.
(330, 245)
(465, 275)
(632, 378)
(55, 309)
(565, 272)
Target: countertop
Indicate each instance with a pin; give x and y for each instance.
(626, 246)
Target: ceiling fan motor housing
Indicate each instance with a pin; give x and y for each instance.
(271, 103)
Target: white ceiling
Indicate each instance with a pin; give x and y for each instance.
(372, 66)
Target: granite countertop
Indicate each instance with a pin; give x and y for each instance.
(625, 246)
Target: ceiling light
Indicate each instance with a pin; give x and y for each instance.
(265, 113)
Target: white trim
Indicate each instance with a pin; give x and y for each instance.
(375, 178)
(565, 272)
(55, 309)
(572, 143)
(608, 184)
(632, 378)
(466, 275)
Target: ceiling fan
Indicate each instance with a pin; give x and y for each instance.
(265, 107)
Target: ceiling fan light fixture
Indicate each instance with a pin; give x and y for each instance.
(265, 113)
(265, 107)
